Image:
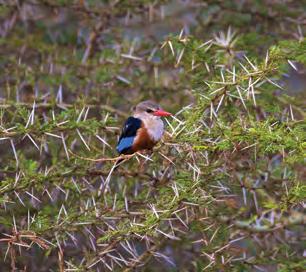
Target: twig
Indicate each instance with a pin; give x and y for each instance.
(144, 257)
(124, 157)
(45, 105)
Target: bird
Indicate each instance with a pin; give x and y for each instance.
(142, 130)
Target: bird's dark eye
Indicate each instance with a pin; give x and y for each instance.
(149, 111)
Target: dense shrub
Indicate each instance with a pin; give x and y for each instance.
(224, 190)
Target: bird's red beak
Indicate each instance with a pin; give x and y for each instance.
(161, 113)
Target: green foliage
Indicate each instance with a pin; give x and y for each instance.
(224, 189)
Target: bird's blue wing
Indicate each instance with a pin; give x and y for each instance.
(128, 135)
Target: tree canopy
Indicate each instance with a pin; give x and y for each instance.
(223, 191)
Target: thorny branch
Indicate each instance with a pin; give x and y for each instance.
(226, 191)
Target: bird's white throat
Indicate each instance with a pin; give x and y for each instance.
(154, 126)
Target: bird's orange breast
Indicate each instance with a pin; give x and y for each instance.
(143, 140)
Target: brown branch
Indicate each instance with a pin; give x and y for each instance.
(62, 106)
(144, 257)
(124, 157)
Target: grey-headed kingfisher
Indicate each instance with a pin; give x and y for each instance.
(143, 129)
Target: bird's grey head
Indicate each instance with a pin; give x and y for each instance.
(149, 109)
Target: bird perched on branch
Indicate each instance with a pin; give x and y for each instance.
(142, 130)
